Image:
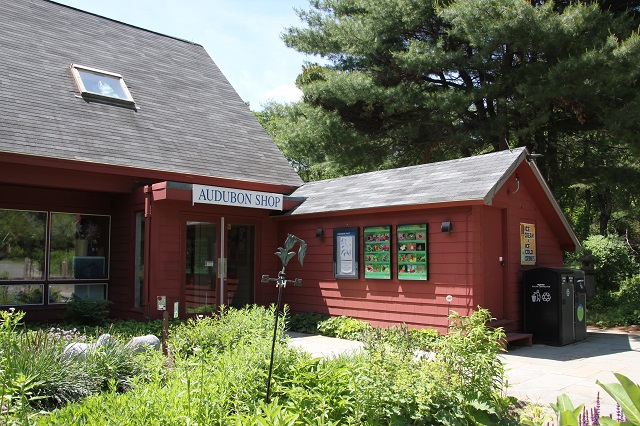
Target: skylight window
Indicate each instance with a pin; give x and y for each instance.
(102, 85)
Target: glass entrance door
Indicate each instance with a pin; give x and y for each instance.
(239, 283)
(201, 267)
(220, 266)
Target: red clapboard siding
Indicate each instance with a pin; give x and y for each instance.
(464, 263)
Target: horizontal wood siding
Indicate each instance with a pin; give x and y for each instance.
(166, 253)
(523, 206)
(419, 304)
(121, 287)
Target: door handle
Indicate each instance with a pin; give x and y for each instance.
(222, 268)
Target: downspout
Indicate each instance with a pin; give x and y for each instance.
(148, 197)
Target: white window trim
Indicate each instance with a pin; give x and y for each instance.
(85, 93)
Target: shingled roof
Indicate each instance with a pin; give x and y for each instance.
(465, 179)
(190, 120)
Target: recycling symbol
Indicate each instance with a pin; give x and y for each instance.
(546, 296)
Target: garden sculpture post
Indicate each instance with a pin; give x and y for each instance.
(285, 256)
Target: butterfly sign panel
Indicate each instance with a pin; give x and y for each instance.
(413, 253)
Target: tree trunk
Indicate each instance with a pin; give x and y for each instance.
(606, 207)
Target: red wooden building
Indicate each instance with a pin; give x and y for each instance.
(485, 219)
(98, 120)
(131, 170)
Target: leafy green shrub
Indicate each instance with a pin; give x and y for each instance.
(469, 350)
(34, 372)
(620, 308)
(343, 327)
(87, 311)
(306, 322)
(252, 325)
(113, 366)
(126, 329)
(615, 263)
(122, 329)
(222, 380)
(402, 338)
(212, 384)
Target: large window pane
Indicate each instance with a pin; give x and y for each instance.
(62, 293)
(22, 244)
(79, 246)
(21, 294)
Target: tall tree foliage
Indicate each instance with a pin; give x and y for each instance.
(413, 81)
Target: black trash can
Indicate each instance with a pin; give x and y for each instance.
(550, 305)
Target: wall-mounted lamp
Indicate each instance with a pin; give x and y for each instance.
(319, 233)
(446, 227)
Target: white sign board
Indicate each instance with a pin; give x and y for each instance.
(236, 197)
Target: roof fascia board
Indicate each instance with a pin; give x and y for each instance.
(488, 199)
(554, 203)
(123, 23)
(150, 174)
(413, 207)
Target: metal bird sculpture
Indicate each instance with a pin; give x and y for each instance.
(285, 255)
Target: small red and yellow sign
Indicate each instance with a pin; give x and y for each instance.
(527, 244)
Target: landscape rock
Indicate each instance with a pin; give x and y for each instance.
(82, 349)
(144, 343)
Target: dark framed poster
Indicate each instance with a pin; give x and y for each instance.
(377, 252)
(413, 252)
(346, 252)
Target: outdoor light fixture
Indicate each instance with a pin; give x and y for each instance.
(319, 233)
(533, 156)
(446, 227)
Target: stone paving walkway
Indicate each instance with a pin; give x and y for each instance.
(540, 373)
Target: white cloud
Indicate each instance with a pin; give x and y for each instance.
(289, 93)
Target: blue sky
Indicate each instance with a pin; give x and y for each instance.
(241, 36)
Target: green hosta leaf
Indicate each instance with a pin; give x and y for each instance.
(608, 421)
(567, 414)
(568, 418)
(627, 394)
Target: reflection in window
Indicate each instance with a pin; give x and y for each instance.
(79, 246)
(201, 258)
(21, 294)
(63, 293)
(101, 84)
(139, 272)
(22, 244)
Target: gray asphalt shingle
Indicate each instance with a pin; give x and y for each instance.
(464, 179)
(190, 120)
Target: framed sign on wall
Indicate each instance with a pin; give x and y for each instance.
(346, 252)
(527, 244)
(413, 251)
(377, 252)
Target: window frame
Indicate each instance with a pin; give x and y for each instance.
(46, 282)
(75, 70)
